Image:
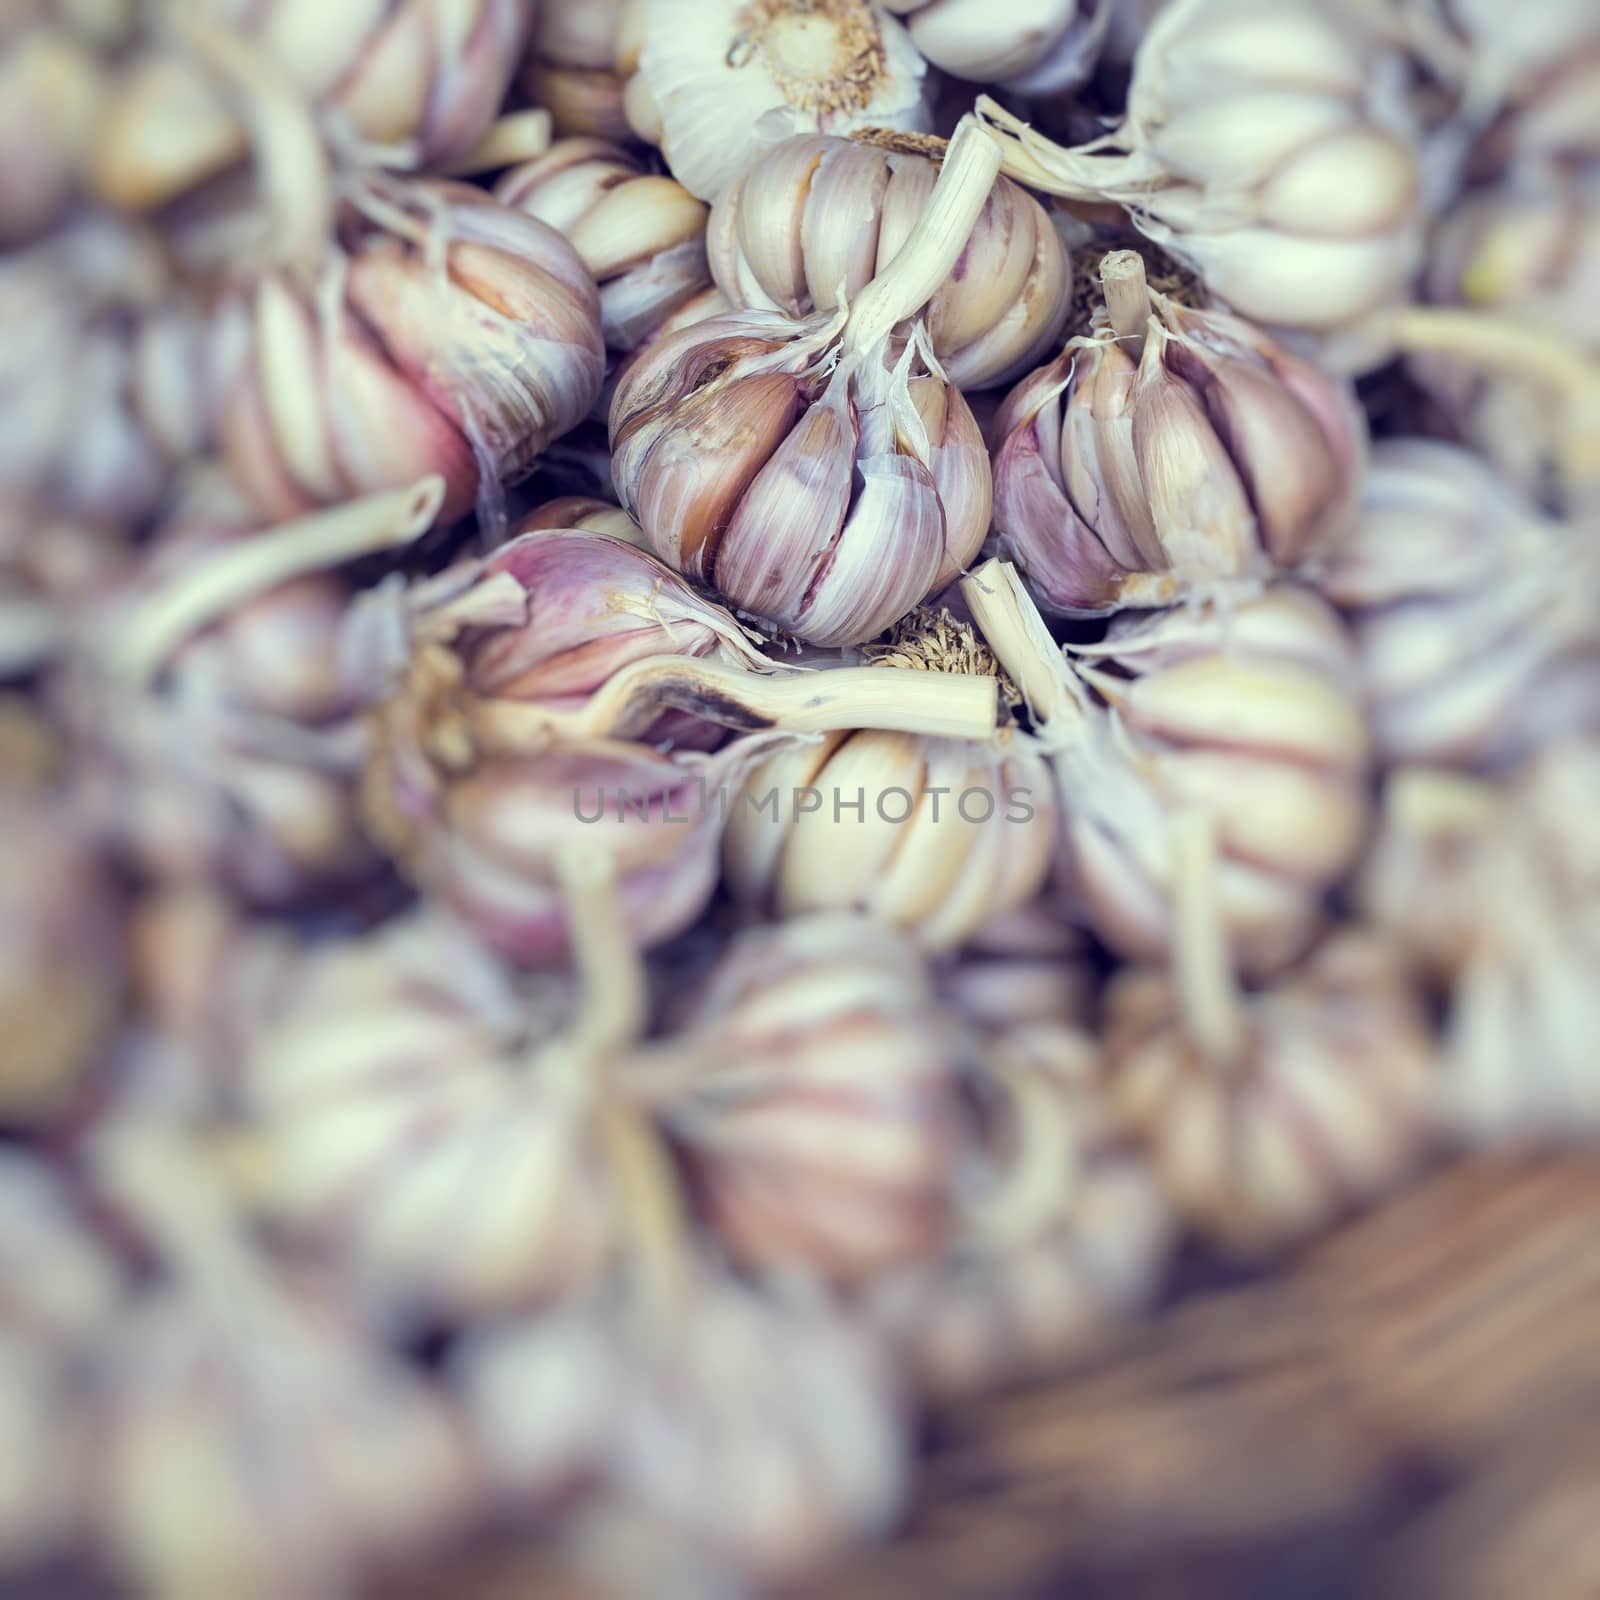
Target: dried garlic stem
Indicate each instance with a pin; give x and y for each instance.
(610, 973)
(1079, 174)
(518, 136)
(1127, 298)
(1010, 622)
(1202, 967)
(893, 699)
(935, 243)
(222, 581)
(1043, 1171)
(1506, 345)
(290, 157)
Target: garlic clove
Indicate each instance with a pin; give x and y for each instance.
(840, 224)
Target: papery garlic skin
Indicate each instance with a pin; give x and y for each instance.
(1061, 1242)
(641, 235)
(807, 225)
(813, 1095)
(739, 1435)
(826, 505)
(572, 68)
(1477, 619)
(934, 836)
(398, 364)
(1214, 456)
(725, 77)
(1037, 47)
(1328, 1100)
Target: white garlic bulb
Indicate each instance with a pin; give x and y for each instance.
(1031, 47)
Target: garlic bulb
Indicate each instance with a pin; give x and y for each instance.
(642, 236)
(1037, 47)
(1477, 620)
(819, 474)
(1170, 452)
(1271, 146)
(1249, 714)
(813, 1091)
(460, 337)
(734, 1440)
(808, 224)
(416, 82)
(1058, 1240)
(105, 381)
(722, 78)
(244, 1438)
(1318, 1094)
(51, 83)
(572, 67)
(402, 1122)
(1520, 1060)
(935, 836)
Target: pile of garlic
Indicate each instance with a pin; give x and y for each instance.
(716, 712)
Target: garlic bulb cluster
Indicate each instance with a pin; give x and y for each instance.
(1269, 145)
(1039, 47)
(106, 383)
(460, 337)
(1170, 452)
(573, 68)
(935, 836)
(641, 235)
(718, 79)
(1319, 1092)
(738, 1436)
(811, 221)
(1477, 619)
(813, 1092)
(1057, 1240)
(415, 82)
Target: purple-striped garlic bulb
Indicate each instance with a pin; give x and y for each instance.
(1271, 145)
(717, 80)
(1476, 618)
(640, 234)
(459, 337)
(1170, 452)
(403, 1120)
(1268, 1115)
(1251, 715)
(813, 1092)
(243, 1436)
(934, 836)
(413, 81)
(1060, 1232)
(822, 475)
(807, 225)
(738, 1436)
(1031, 47)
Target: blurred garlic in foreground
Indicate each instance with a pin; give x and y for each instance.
(722, 78)
(1059, 1229)
(810, 222)
(1266, 1115)
(1250, 714)
(640, 234)
(813, 1092)
(459, 337)
(823, 475)
(1477, 620)
(1170, 452)
(51, 83)
(1271, 146)
(1035, 47)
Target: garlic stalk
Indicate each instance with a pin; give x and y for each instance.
(1171, 452)
(807, 225)
(1477, 620)
(572, 67)
(1037, 47)
(642, 236)
(248, 1440)
(1271, 146)
(818, 474)
(1249, 715)
(459, 336)
(721, 78)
